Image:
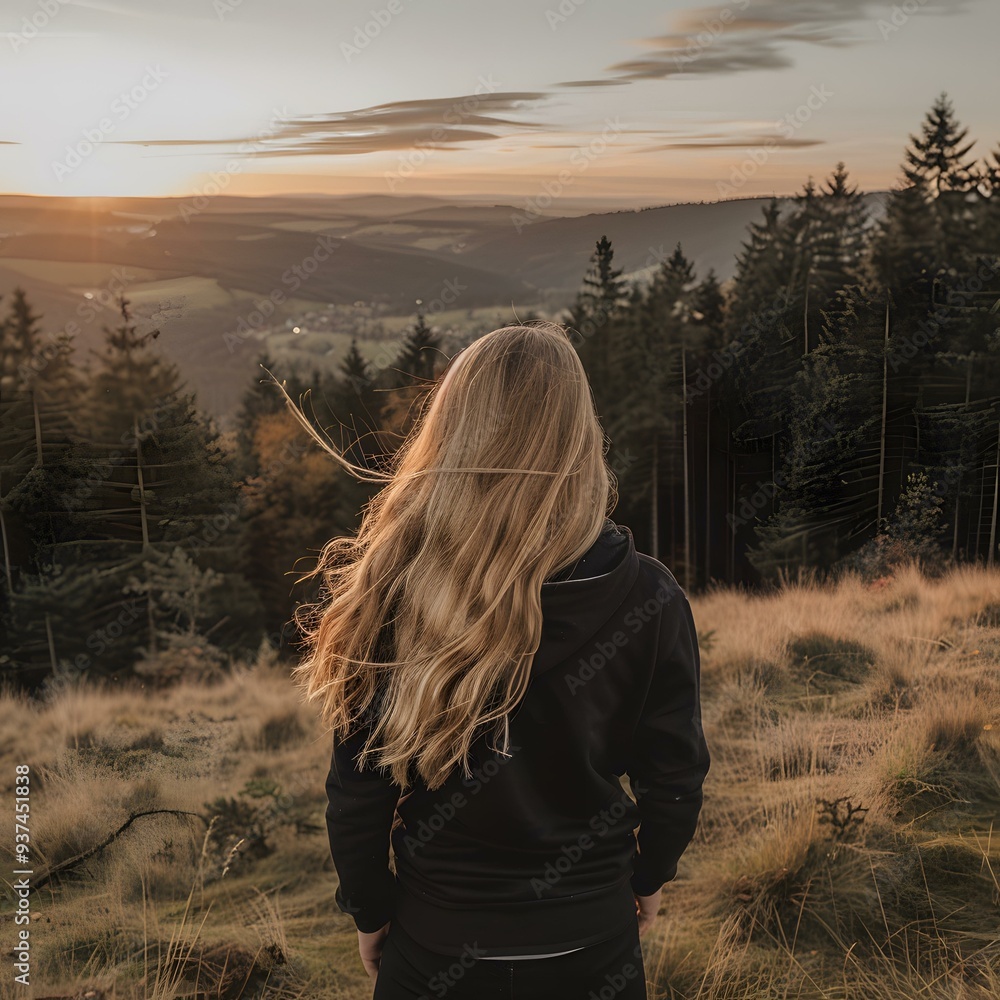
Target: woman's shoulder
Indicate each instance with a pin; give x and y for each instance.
(657, 578)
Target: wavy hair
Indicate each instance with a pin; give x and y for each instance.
(430, 616)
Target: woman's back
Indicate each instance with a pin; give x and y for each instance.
(534, 853)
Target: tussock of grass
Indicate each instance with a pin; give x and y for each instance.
(825, 663)
(281, 731)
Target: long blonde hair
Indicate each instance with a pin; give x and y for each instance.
(501, 482)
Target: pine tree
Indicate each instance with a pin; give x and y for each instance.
(358, 408)
(840, 259)
(802, 237)
(407, 382)
(354, 369)
(760, 286)
(595, 316)
(709, 305)
(19, 343)
(17, 451)
(937, 157)
(420, 352)
(987, 234)
(37, 404)
(928, 222)
(822, 241)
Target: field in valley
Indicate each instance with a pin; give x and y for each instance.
(848, 846)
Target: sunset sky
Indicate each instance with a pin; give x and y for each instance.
(636, 102)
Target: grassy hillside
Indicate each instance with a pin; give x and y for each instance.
(847, 846)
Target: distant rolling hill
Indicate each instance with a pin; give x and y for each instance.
(195, 269)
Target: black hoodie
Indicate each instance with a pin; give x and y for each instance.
(537, 852)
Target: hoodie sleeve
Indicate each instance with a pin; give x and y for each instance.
(360, 810)
(670, 757)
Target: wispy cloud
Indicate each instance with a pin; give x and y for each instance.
(742, 134)
(592, 83)
(49, 34)
(749, 35)
(106, 8)
(435, 123)
(720, 141)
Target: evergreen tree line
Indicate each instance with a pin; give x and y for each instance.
(137, 539)
(836, 405)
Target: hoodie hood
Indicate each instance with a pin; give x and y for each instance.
(577, 604)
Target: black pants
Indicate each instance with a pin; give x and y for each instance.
(610, 970)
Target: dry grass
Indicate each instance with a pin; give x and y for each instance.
(847, 850)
